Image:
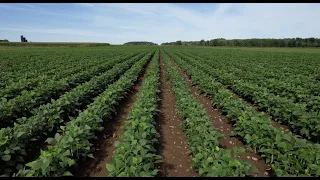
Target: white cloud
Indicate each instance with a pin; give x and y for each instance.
(169, 22)
(37, 9)
(85, 4)
(7, 6)
(26, 5)
(164, 22)
(54, 31)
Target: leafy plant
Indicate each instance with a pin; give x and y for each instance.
(208, 159)
(73, 142)
(135, 155)
(288, 155)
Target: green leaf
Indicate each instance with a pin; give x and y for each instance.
(51, 140)
(57, 136)
(278, 138)
(133, 169)
(67, 173)
(247, 138)
(144, 174)
(116, 144)
(134, 142)
(146, 167)
(199, 156)
(6, 157)
(122, 174)
(143, 142)
(90, 156)
(134, 160)
(46, 162)
(119, 163)
(155, 172)
(110, 167)
(144, 135)
(71, 162)
(20, 134)
(234, 163)
(241, 150)
(201, 171)
(282, 145)
(16, 148)
(7, 151)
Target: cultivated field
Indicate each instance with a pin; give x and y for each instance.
(99, 110)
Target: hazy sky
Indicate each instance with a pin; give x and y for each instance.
(120, 23)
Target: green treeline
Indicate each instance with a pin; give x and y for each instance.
(255, 42)
(141, 43)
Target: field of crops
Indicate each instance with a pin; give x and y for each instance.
(169, 111)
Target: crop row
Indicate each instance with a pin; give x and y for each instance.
(73, 143)
(57, 73)
(208, 159)
(281, 109)
(280, 84)
(135, 155)
(301, 68)
(287, 154)
(17, 140)
(23, 104)
(20, 65)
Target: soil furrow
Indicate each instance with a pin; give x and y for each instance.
(225, 126)
(173, 143)
(104, 145)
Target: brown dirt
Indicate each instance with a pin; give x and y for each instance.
(173, 143)
(224, 125)
(104, 146)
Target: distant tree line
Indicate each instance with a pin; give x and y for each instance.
(140, 43)
(4, 40)
(255, 42)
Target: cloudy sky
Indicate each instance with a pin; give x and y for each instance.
(164, 22)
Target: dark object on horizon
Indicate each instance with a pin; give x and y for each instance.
(141, 43)
(23, 39)
(4, 40)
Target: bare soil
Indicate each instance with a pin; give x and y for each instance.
(173, 143)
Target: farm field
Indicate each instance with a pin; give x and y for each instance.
(165, 111)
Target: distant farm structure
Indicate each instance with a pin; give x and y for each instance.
(23, 39)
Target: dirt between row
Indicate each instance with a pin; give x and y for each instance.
(173, 143)
(225, 126)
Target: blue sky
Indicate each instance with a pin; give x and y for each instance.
(164, 22)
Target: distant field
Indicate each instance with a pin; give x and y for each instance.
(90, 109)
(4, 45)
